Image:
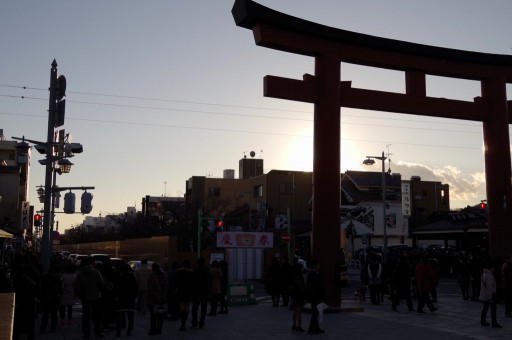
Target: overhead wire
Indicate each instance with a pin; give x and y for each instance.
(228, 114)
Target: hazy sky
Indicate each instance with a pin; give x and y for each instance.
(159, 91)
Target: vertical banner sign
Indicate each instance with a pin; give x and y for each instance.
(25, 215)
(406, 198)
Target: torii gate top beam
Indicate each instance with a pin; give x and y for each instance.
(249, 14)
(280, 31)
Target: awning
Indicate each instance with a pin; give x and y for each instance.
(5, 234)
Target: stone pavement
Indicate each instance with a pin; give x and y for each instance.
(455, 319)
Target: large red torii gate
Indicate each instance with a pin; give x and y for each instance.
(330, 47)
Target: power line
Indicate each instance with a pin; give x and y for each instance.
(264, 116)
(240, 131)
(205, 103)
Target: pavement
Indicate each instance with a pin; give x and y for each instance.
(455, 319)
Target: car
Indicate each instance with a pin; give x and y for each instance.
(117, 263)
(78, 260)
(72, 258)
(100, 259)
(138, 263)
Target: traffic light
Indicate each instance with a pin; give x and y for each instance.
(86, 205)
(483, 205)
(69, 203)
(219, 225)
(37, 220)
(60, 106)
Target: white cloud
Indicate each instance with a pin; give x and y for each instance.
(465, 188)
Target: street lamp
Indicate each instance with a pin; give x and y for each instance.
(64, 166)
(370, 160)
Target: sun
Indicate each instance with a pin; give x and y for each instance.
(300, 151)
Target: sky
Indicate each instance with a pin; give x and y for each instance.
(160, 91)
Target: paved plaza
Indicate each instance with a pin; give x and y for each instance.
(455, 319)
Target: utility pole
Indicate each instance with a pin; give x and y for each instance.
(46, 244)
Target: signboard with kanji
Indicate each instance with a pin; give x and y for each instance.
(25, 215)
(406, 198)
(245, 240)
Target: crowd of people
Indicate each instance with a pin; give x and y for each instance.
(415, 274)
(112, 295)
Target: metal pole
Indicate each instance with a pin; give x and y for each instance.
(290, 235)
(46, 244)
(385, 240)
(199, 229)
(250, 207)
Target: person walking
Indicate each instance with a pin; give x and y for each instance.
(204, 284)
(157, 297)
(173, 305)
(463, 276)
(401, 281)
(68, 295)
(50, 297)
(125, 292)
(88, 286)
(375, 279)
(285, 280)
(272, 281)
(488, 296)
(297, 294)
(186, 291)
(506, 281)
(314, 293)
(141, 276)
(26, 287)
(223, 287)
(425, 281)
(215, 288)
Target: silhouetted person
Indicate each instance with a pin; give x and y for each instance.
(401, 281)
(297, 294)
(157, 296)
(125, 292)
(186, 290)
(223, 287)
(272, 281)
(88, 286)
(204, 284)
(314, 292)
(141, 276)
(488, 296)
(50, 297)
(25, 287)
(216, 274)
(425, 281)
(173, 305)
(68, 295)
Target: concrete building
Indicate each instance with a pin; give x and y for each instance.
(15, 211)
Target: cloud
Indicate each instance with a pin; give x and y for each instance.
(465, 188)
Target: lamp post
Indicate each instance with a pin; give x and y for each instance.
(370, 160)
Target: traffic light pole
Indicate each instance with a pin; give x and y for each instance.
(46, 243)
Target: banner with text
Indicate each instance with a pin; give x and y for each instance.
(245, 240)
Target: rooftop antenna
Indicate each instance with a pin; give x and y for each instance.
(389, 159)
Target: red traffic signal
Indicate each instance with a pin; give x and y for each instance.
(483, 205)
(37, 220)
(219, 224)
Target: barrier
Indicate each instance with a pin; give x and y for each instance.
(6, 315)
(241, 294)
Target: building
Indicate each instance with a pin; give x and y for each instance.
(429, 201)
(15, 211)
(362, 217)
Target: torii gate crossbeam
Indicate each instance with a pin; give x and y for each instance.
(330, 47)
